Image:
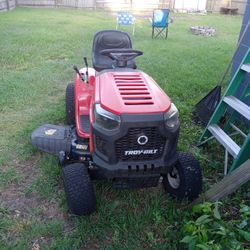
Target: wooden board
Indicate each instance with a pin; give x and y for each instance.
(227, 185)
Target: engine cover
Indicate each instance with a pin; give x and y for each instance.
(132, 92)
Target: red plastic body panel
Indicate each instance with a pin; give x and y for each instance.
(119, 93)
(131, 93)
(83, 99)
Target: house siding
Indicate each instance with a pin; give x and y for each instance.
(243, 48)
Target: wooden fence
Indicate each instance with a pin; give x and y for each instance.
(7, 5)
(215, 5)
(58, 3)
(133, 5)
(100, 4)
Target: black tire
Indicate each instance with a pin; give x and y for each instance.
(70, 104)
(79, 189)
(184, 179)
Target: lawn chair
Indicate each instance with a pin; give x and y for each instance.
(125, 18)
(160, 23)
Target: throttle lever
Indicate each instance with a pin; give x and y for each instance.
(87, 69)
(78, 72)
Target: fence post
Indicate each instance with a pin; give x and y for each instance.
(7, 5)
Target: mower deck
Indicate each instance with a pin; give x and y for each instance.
(52, 139)
(136, 181)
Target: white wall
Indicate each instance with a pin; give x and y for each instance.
(190, 5)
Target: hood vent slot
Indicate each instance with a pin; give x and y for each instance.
(133, 89)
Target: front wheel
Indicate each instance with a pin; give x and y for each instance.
(79, 189)
(184, 179)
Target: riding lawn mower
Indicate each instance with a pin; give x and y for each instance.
(121, 126)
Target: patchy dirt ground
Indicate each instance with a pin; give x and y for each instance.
(24, 204)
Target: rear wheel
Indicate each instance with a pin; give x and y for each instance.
(184, 179)
(70, 104)
(79, 189)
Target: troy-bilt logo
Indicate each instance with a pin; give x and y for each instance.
(50, 131)
(142, 140)
(81, 146)
(141, 152)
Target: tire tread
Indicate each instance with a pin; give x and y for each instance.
(190, 175)
(70, 104)
(79, 189)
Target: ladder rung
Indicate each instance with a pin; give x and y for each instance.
(246, 67)
(238, 105)
(224, 139)
(238, 130)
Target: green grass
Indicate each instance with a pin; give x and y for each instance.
(38, 49)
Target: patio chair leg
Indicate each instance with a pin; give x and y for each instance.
(153, 32)
(160, 33)
(166, 32)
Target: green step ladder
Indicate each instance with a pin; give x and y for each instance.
(226, 114)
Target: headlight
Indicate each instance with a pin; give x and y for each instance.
(171, 117)
(105, 118)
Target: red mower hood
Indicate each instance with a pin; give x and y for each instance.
(131, 93)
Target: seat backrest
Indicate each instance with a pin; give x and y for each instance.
(108, 39)
(125, 18)
(160, 18)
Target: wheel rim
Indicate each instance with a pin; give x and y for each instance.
(174, 178)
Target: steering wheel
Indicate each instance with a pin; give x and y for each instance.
(121, 56)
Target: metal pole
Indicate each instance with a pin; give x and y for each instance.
(226, 162)
(198, 3)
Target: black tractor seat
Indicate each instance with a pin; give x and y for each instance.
(109, 39)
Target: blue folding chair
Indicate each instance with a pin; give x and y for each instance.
(160, 23)
(125, 18)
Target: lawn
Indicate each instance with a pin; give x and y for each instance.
(38, 49)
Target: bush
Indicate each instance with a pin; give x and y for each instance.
(211, 230)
